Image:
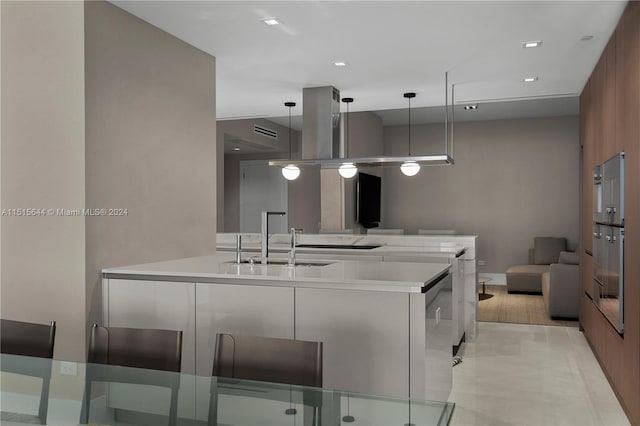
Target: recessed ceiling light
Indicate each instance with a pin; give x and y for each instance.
(586, 38)
(470, 107)
(236, 149)
(531, 44)
(271, 21)
(530, 79)
(340, 64)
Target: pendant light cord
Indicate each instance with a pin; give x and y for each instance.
(346, 139)
(289, 105)
(347, 129)
(409, 96)
(409, 126)
(289, 133)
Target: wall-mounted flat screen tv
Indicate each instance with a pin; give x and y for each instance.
(368, 189)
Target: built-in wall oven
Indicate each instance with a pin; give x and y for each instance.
(608, 240)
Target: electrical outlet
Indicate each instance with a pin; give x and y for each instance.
(480, 262)
(68, 368)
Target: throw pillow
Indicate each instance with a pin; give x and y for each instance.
(546, 250)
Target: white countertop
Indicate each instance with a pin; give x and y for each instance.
(352, 275)
(378, 251)
(280, 243)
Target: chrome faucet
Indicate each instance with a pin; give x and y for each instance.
(238, 249)
(292, 253)
(265, 235)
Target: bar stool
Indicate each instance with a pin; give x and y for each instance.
(33, 340)
(138, 348)
(287, 361)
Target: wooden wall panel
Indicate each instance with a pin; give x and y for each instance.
(585, 317)
(613, 352)
(592, 327)
(610, 123)
(586, 136)
(596, 117)
(587, 275)
(608, 146)
(628, 139)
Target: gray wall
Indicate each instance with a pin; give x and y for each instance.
(304, 192)
(151, 144)
(243, 130)
(304, 201)
(304, 198)
(366, 139)
(512, 180)
(43, 166)
(366, 136)
(232, 189)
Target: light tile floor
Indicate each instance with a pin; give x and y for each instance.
(519, 374)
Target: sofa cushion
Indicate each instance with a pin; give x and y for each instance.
(568, 258)
(525, 278)
(546, 250)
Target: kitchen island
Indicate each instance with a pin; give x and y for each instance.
(383, 325)
(457, 250)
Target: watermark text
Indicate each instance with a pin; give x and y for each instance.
(62, 212)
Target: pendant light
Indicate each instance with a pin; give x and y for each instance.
(348, 169)
(290, 171)
(409, 164)
(409, 167)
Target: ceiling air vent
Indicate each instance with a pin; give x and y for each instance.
(273, 134)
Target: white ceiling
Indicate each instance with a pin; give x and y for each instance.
(542, 107)
(392, 47)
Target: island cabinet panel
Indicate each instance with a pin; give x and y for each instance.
(430, 327)
(364, 335)
(456, 288)
(156, 305)
(470, 273)
(240, 309)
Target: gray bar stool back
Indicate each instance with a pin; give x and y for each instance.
(266, 359)
(33, 340)
(134, 347)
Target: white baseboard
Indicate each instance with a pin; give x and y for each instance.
(496, 279)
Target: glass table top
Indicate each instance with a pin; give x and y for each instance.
(147, 399)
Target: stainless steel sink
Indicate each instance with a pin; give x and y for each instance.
(281, 262)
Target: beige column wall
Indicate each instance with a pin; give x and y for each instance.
(151, 145)
(147, 113)
(42, 160)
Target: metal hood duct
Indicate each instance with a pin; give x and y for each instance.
(322, 145)
(321, 123)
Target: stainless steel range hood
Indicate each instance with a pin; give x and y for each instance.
(322, 145)
(321, 123)
(384, 161)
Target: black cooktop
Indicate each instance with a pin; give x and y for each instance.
(339, 246)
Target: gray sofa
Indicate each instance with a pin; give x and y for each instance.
(560, 287)
(528, 278)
